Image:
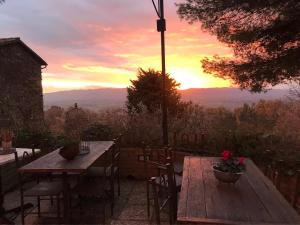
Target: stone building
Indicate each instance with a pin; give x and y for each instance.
(21, 95)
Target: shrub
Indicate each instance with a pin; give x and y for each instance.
(30, 139)
(97, 132)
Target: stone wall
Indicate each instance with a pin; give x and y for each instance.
(21, 96)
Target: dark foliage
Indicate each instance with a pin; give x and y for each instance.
(97, 132)
(265, 37)
(30, 139)
(76, 120)
(146, 92)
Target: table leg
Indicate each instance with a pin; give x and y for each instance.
(66, 197)
(3, 220)
(2, 210)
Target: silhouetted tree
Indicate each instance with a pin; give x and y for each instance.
(146, 92)
(76, 121)
(265, 37)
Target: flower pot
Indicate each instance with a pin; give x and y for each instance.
(227, 177)
(6, 145)
(69, 152)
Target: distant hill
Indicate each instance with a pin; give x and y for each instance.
(116, 97)
(229, 97)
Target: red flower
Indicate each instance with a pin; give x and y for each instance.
(241, 160)
(226, 154)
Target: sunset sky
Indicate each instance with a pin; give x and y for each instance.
(100, 43)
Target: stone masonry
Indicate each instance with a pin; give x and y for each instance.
(21, 96)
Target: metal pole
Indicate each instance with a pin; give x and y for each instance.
(163, 65)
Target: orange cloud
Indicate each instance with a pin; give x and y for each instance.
(108, 42)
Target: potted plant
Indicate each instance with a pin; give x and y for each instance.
(70, 149)
(6, 136)
(229, 169)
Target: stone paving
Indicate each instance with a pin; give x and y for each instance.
(130, 208)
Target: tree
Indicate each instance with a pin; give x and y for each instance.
(76, 121)
(146, 92)
(55, 119)
(265, 37)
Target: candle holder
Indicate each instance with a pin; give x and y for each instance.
(84, 147)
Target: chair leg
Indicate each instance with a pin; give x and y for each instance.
(297, 190)
(171, 212)
(112, 205)
(156, 205)
(173, 209)
(148, 199)
(58, 206)
(39, 206)
(112, 196)
(22, 206)
(104, 211)
(118, 177)
(80, 205)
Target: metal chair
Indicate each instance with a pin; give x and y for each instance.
(297, 192)
(96, 187)
(42, 190)
(164, 193)
(7, 216)
(287, 179)
(86, 198)
(115, 154)
(152, 162)
(171, 154)
(267, 163)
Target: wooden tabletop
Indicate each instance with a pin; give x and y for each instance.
(252, 200)
(4, 159)
(53, 162)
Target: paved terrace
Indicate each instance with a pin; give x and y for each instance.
(130, 207)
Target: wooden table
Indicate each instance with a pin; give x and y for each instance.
(252, 200)
(54, 163)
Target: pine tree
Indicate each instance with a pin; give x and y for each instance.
(264, 34)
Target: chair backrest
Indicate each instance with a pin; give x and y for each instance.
(25, 158)
(109, 161)
(155, 156)
(117, 150)
(21, 160)
(152, 161)
(297, 191)
(266, 160)
(287, 179)
(164, 193)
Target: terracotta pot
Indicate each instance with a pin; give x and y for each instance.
(227, 177)
(6, 145)
(69, 152)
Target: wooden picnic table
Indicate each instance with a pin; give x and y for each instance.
(54, 163)
(252, 200)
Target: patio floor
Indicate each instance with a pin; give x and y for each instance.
(130, 208)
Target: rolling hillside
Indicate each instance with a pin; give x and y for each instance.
(116, 97)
